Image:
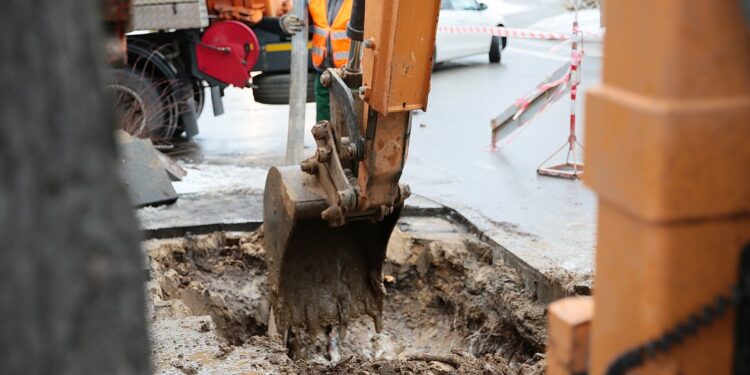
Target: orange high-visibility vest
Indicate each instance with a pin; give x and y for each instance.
(322, 32)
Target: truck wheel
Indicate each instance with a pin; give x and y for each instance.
(145, 59)
(274, 88)
(496, 49)
(137, 101)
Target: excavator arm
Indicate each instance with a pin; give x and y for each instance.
(328, 221)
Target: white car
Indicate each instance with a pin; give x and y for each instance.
(450, 46)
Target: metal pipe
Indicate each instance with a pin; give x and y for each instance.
(297, 93)
(355, 57)
(355, 32)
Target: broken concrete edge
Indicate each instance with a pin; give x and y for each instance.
(544, 283)
(540, 285)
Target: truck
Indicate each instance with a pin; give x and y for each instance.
(177, 51)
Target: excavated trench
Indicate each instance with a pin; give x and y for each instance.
(452, 307)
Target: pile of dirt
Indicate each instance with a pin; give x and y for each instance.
(451, 308)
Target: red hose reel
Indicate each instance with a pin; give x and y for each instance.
(227, 52)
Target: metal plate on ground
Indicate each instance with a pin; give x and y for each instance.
(143, 173)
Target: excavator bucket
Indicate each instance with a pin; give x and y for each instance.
(320, 276)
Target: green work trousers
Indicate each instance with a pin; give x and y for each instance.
(322, 101)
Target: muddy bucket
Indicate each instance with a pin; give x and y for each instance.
(320, 277)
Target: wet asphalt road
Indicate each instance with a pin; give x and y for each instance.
(547, 222)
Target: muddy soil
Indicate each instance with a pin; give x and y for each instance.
(451, 308)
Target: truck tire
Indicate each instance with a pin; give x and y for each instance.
(274, 88)
(138, 103)
(496, 50)
(146, 59)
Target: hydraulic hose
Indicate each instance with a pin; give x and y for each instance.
(355, 29)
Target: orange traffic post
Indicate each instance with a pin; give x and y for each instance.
(668, 142)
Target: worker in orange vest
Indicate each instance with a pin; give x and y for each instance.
(330, 45)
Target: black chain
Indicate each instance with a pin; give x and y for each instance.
(703, 318)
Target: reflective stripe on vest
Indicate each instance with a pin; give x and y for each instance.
(320, 31)
(341, 56)
(323, 33)
(339, 35)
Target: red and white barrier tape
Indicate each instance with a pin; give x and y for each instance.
(515, 33)
(559, 85)
(571, 79)
(503, 31)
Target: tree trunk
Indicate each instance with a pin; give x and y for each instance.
(71, 274)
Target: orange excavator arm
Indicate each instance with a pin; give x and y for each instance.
(328, 221)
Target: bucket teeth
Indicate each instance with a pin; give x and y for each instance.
(320, 276)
